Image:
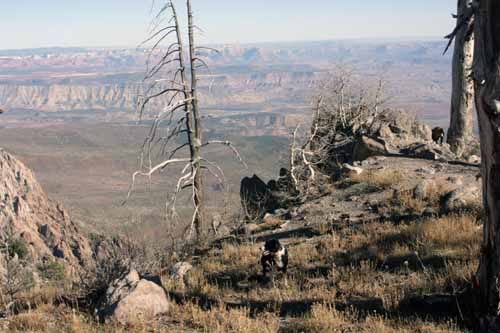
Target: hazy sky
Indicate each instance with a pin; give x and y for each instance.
(41, 23)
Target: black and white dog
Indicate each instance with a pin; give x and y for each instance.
(274, 256)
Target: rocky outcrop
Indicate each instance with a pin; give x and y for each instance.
(132, 299)
(259, 198)
(399, 129)
(391, 133)
(366, 147)
(429, 151)
(43, 226)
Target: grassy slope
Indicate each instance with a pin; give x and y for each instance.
(352, 267)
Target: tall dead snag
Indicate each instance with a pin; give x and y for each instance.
(487, 85)
(462, 94)
(171, 82)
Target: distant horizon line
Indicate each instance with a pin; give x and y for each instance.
(365, 39)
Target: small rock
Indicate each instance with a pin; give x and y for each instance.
(283, 214)
(179, 271)
(458, 180)
(429, 171)
(474, 159)
(351, 170)
(354, 198)
(420, 191)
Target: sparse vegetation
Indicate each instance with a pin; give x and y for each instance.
(52, 271)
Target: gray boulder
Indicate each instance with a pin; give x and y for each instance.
(133, 298)
(462, 199)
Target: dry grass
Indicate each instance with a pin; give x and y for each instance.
(371, 260)
(232, 257)
(450, 229)
(28, 322)
(49, 319)
(383, 178)
(431, 196)
(221, 319)
(325, 318)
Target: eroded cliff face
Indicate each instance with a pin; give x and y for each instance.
(215, 90)
(44, 226)
(57, 97)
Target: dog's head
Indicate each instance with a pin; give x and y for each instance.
(272, 245)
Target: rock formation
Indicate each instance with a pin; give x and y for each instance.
(42, 225)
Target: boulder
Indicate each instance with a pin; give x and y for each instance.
(366, 147)
(255, 197)
(462, 199)
(131, 299)
(259, 198)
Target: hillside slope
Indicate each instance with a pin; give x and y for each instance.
(44, 226)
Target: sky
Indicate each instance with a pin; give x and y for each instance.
(118, 23)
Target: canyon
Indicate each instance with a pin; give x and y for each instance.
(276, 78)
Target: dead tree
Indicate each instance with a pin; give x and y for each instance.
(344, 107)
(345, 104)
(305, 157)
(171, 80)
(462, 94)
(487, 89)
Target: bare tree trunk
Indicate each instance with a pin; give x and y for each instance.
(180, 118)
(461, 115)
(196, 135)
(487, 85)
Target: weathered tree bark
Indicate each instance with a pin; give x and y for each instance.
(462, 95)
(487, 85)
(196, 131)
